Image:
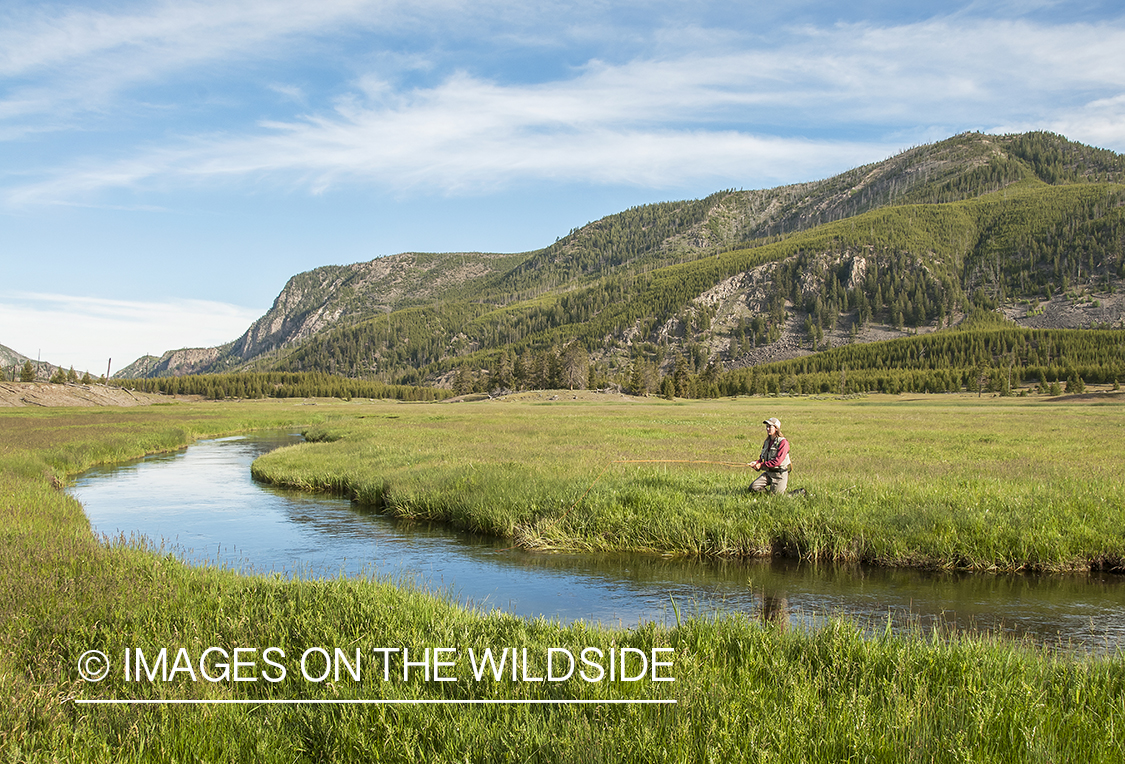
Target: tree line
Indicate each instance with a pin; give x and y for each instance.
(280, 385)
(988, 354)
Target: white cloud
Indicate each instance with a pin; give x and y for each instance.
(290, 92)
(168, 34)
(86, 332)
(610, 125)
(63, 63)
(733, 116)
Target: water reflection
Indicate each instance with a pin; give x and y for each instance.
(203, 504)
(774, 610)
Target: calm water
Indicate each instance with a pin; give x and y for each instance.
(202, 504)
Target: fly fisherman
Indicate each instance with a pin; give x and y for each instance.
(774, 461)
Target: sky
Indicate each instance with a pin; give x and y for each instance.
(166, 167)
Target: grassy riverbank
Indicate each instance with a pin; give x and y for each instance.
(942, 481)
(744, 691)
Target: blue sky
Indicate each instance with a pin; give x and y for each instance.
(166, 167)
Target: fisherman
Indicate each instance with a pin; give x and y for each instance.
(774, 461)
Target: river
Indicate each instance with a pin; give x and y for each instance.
(201, 504)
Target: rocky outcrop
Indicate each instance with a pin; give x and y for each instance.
(174, 363)
(320, 299)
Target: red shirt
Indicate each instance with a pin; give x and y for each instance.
(782, 452)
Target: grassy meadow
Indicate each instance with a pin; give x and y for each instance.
(743, 690)
(934, 481)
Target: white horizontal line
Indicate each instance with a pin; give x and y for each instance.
(374, 701)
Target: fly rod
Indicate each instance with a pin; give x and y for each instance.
(649, 461)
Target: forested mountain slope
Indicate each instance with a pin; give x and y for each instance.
(904, 268)
(741, 277)
(963, 167)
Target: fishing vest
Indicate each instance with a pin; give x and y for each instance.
(769, 452)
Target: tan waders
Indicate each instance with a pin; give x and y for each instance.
(774, 481)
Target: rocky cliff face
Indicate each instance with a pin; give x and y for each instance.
(320, 299)
(173, 363)
(302, 309)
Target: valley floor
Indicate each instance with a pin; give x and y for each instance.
(740, 690)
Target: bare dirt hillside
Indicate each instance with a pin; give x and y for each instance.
(46, 394)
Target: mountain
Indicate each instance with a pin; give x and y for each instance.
(1032, 223)
(11, 364)
(331, 296)
(174, 363)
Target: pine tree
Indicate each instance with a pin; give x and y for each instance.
(28, 373)
(639, 378)
(503, 377)
(681, 381)
(575, 365)
(463, 381)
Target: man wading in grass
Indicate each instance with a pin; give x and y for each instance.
(774, 460)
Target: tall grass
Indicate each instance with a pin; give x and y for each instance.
(744, 690)
(949, 482)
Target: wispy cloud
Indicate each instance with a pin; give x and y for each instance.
(76, 331)
(742, 114)
(467, 136)
(62, 63)
(166, 35)
(57, 60)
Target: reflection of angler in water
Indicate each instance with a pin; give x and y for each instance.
(775, 610)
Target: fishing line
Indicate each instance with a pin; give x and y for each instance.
(648, 461)
(679, 461)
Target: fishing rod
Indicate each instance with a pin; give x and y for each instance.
(679, 461)
(649, 461)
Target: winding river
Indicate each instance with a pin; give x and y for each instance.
(202, 504)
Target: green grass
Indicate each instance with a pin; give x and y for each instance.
(745, 691)
(944, 481)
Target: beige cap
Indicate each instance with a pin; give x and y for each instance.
(774, 421)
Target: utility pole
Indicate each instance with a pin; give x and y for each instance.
(110, 363)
